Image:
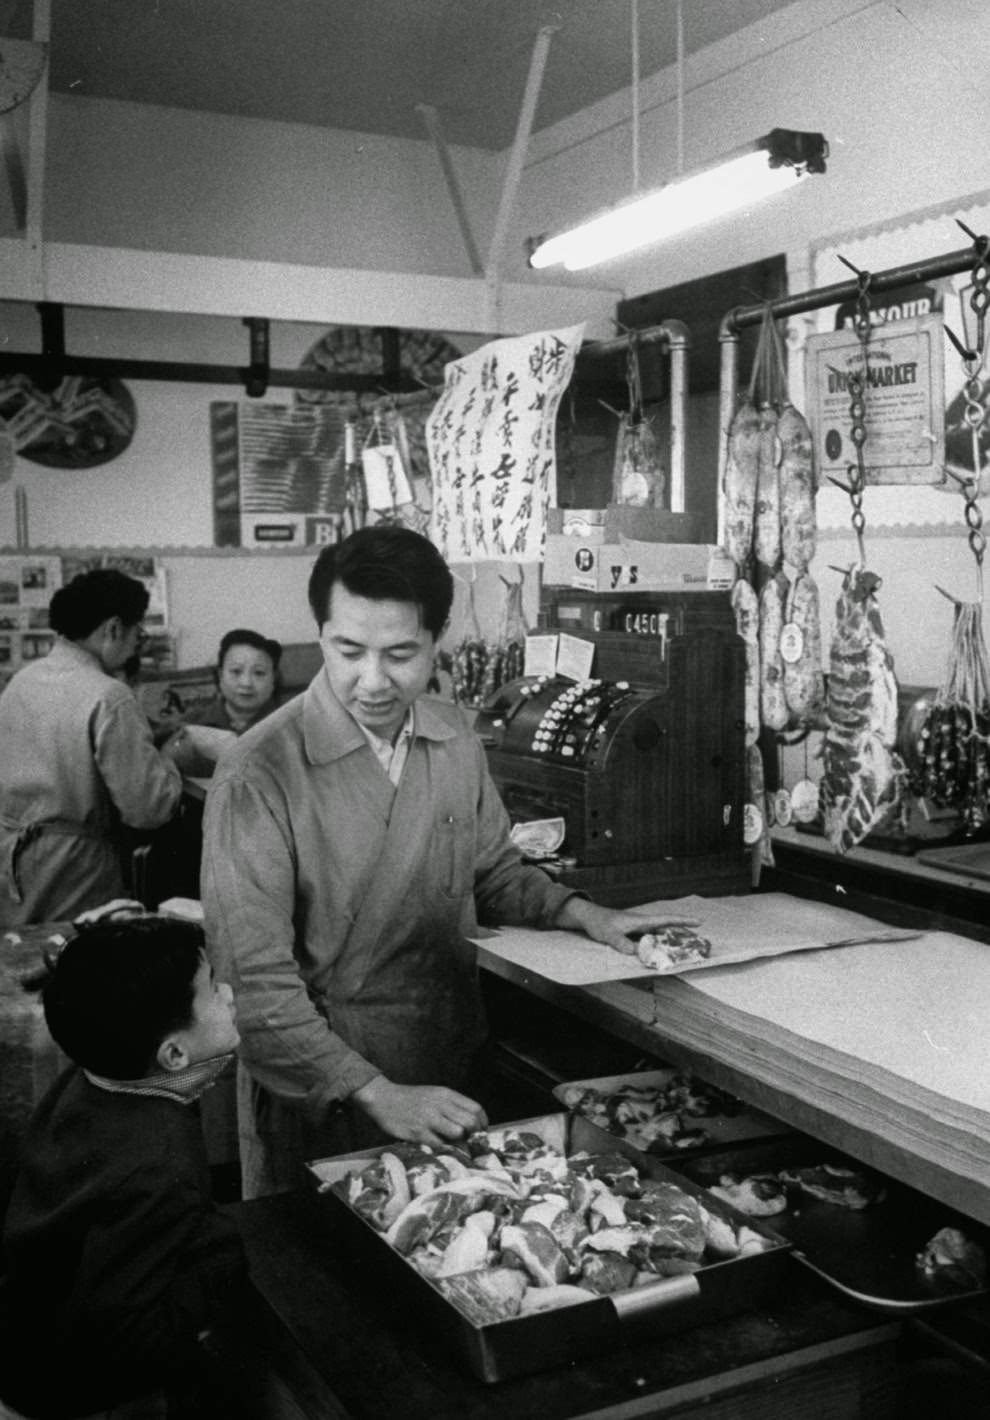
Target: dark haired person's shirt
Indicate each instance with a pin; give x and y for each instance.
(78, 762)
(341, 906)
(216, 715)
(116, 1258)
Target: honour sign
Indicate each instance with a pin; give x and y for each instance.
(904, 396)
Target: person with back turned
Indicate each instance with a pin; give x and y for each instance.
(77, 761)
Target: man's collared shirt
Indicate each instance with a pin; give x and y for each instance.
(392, 757)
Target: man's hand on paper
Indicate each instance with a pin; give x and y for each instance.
(426, 1114)
(616, 927)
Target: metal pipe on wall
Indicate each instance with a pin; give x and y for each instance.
(916, 273)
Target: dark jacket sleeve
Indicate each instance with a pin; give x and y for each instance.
(152, 1280)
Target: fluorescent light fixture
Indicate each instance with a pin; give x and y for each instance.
(761, 169)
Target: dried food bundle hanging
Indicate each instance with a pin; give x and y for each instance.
(469, 658)
(953, 749)
(770, 533)
(638, 474)
(952, 761)
(864, 777)
(507, 656)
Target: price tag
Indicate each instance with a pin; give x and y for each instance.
(752, 825)
(791, 643)
(541, 656)
(782, 808)
(804, 801)
(575, 657)
(385, 482)
(8, 454)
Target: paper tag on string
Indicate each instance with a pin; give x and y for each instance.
(385, 482)
(8, 454)
(782, 807)
(752, 825)
(791, 643)
(804, 801)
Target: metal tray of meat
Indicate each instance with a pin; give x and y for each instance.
(666, 1113)
(869, 1253)
(523, 1344)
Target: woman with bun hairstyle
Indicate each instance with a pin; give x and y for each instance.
(247, 681)
(77, 760)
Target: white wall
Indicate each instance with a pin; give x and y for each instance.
(159, 179)
(899, 90)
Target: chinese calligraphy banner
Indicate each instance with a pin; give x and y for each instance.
(491, 446)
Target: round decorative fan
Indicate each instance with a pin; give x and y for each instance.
(81, 423)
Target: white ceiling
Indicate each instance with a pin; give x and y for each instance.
(365, 64)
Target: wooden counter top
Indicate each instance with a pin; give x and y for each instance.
(818, 1092)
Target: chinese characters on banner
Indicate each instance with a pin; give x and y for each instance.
(491, 447)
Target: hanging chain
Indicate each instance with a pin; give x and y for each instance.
(977, 537)
(856, 472)
(975, 413)
(980, 298)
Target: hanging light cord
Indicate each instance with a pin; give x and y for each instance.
(635, 95)
(680, 87)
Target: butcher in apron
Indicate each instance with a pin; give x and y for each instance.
(353, 841)
(77, 761)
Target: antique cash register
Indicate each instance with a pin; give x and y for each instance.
(644, 760)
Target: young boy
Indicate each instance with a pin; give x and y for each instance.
(121, 1277)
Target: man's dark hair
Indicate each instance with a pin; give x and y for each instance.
(240, 636)
(385, 563)
(91, 598)
(118, 988)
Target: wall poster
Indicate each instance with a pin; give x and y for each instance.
(904, 397)
(913, 239)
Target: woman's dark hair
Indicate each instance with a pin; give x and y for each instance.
(92, 598)
(385, 564)
(118, 988)
(240, 636)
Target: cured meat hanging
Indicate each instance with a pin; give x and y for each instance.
(864, 778)
(801, 653)
(798, 530)
(746, 606)
(953, 749)
(741, 471)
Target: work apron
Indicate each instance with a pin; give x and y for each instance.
(52, 869)
(409, 1002)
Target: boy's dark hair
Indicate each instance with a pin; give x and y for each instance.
(118, 988)
(241, 636)
(385, 564)
(91, 598)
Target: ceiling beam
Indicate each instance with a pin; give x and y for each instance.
(431, 119)
(178, 283)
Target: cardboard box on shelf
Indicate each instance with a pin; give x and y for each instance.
(586, 523)
(618, 522)
(632, 566)
(651, 525)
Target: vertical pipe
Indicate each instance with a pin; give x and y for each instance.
(728, 390)
(21, 519)
(678, 342)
